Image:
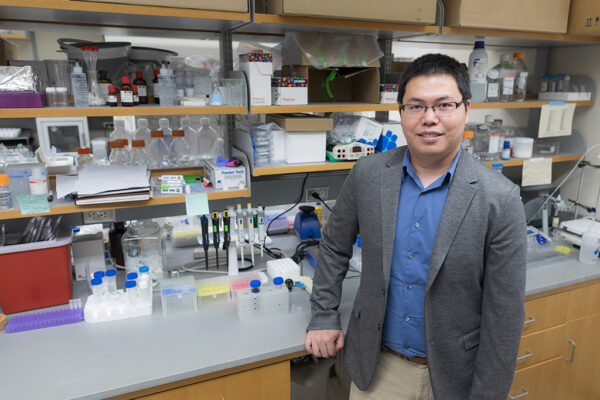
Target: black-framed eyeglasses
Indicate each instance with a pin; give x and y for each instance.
(443, 109)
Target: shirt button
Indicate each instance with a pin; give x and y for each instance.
(408, 287)
(378, 327)
(411, 256)
(417, 225)
(407, 319)
(383, 292)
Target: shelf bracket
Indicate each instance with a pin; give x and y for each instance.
(226, 53)
(386, 68)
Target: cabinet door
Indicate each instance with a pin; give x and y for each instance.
(580, 378)
(271, 382)
(542, 345)
(545, 312)
(537, 382)
(583, 302)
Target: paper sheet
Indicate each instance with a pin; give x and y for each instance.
(95, 179)
(65, 185)
(537, 171)
(556, 119)
(196, 204)
(33, 204)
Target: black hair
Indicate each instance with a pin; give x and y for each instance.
(436, 64)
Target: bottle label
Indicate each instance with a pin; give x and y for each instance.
(126, 96)
(112, 98)
(494, 144)
(478, 70)
(136, 98)
(142, 92)
(104, 90)
(508, 85)
(521, 83)
(155, 89)
(493, 90)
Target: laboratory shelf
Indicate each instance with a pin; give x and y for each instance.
(106, 111)
(524, 104)
(282, 168)
(324, 107)
(515, 162)
(68, 207)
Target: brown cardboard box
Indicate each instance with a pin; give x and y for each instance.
(359, 85)
(521, 15)
(300, 122)
(398, 11)
(584, 18)
(8, 51)
(221, 5)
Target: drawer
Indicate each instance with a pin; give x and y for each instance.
(584, 302)
(545, 312)
(542, 345)
(271, 382)
(537, 382)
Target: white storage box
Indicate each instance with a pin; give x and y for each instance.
(391, 137)
(389, 93)
(289, 91)
(305, 147)
(354, 127)
(565, 96)
(178, 295)
(259, 71)
(225, 178)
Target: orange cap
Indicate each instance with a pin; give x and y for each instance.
(4, 179)
(84, 150)
(156, 134)
(117, 144)
(468, 134)
(138, 143)
(519, 55)
(178, 133)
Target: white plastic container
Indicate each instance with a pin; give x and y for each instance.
(305, 147)
(178, 295)
(478, 62)
(38, 182)
(80, 88)
(590, 245)
(165, 88)
(523, 147)
(493, 85)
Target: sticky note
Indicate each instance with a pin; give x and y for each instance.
(196, 204)
(33, 204)
(537, 171)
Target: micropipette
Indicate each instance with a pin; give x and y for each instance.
(205, 242)
(250, 220)
(261, 228)
(226, 234)
(216, 237)
(240, 222)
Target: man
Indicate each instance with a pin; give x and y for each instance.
(439, 310)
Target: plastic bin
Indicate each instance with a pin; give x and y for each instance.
(35, 275)
(178, 295)
(212, 290)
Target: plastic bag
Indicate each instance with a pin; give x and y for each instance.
(18, 79)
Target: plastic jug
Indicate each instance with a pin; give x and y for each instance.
(590, 244)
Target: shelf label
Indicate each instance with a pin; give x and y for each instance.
(537, 171)
(33, 204)
(196, 204)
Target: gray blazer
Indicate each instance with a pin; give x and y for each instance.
(475, 286)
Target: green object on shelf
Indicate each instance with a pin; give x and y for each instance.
(331, 159)
(192, 178)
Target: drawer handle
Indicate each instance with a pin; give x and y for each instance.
(572, 352)
(527, 354)
(525, 393)
(529, 320)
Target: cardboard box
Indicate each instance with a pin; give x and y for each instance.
(398, 11)
(289, 91)
(258, 68)
(300, 122)
(225, 178)
(8, 51)
(389, 93)
(584, 18)
(531, 15)
(222, 5)
(391, 137)
(359, 85)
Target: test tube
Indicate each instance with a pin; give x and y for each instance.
(97, 288)
(145, 285)
(131, 289)
(111, 280)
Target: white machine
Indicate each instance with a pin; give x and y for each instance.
(351, 151)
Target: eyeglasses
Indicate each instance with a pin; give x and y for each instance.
(442, 110)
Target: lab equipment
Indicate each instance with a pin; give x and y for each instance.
(118, 154)
(493, 85)
(138, 153)
(520, 89)
(191, 137)
(284, 267)
(165, 87)
(498, 166)
(90, 56)
(179, 150)
(158, 150)
(5, 193)
(351, 151)
(208, 141)
(226, 233)
(38, 320)
(590, 245)
(224, 177)
(110, 278)
(241, 236)
(261, 229)
(120, 133)
(216, 236)
(143, 245)
(145, 284)
(306, 224)
(178, 295)
(80, 86)
(213, 290)
(256, 302)
(112, 99)
(121, 304)
(478, 61)
(84, 156)
(507, 76)
(98, 288)
(205, 238)
(131, 290)
(88, 251)
(141, 87)
(142, 132)
(250, 220)
(523, 147)
(100, 150)
(163, 125)
(467, 141)
(506, 150)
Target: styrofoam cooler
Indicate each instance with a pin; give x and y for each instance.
(305, 147)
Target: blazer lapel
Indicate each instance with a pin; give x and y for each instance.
(391, 182)
(459, 198)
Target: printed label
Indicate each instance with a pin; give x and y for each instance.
(104, 90)
(493, 90)
(521, 83)
(508, 85)
(142, 92)
(112, 98)
(494, 144)
(126, 96)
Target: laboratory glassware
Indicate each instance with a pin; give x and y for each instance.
(179, 150)
(143, 244)
(158, 150)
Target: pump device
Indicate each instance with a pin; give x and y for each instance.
(306, 224)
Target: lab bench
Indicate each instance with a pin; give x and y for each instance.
(212, 352)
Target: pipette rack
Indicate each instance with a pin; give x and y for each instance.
(116, 306)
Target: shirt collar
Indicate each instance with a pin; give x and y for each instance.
(409, 170)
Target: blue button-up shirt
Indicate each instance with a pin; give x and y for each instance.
(419, 213)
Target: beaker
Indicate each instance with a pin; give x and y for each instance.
(143, 245)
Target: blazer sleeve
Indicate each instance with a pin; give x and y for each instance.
(335, 251)
(503, 310)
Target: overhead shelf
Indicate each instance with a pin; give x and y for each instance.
(524, 104)
(106, 111)
(513, 162)
(282, 168)
(324, 107)
(68, 207)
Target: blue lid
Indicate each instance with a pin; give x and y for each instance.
(111, 272)
(561, 75)
(129, 284)
(506, 144)
(132, 276)
(497, 165)
(96, 281)
(278, 280)
(254, 283)
(144, 268)
(318, 203)
(75, 229)
(480, 44)
(545, 77)
(99, 274)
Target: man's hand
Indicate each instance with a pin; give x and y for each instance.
(324, 343)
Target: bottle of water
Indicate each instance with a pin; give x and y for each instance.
(165, 88)
(191, 137)
(207, 138)
(138, 153)
(493, 85)
(163, 125)
(179, 150)
(118, 155)
(5, 194)
(158, 151)
(142, 132)
(80, 86)
(478, 62)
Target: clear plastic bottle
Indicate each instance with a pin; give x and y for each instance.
(118, 155)
(566, 87)
(485, 145)
(467, 141)
(142, 132)
(61, 97)
(163, 125)
(191, 136)
(84, 157)
(120, 133)
(478, 62)
(138, 153)
(507, 76)
(493, 85)
(158, 151)
(544, 83)
(80, 87)
(207, 138)
(179, 150)
(165, 88)
(38, 181)
(499, 133)
(520, 88)
(5, 193)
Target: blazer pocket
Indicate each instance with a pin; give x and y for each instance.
(471, 339)
(356, 310)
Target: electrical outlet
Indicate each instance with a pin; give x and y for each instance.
(108, 125)
(97, 217)
(322, 190)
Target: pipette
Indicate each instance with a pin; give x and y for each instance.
(240, 222)
(216, 236)
(226, 234)
(261, 228)
(250, 220)
(205, 242)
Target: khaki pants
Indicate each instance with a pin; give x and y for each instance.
(396, 379)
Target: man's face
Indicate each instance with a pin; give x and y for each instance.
(433, 135)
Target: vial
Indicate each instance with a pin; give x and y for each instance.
(111, 280)
(278, 282)
(131, 289)
(97, 288)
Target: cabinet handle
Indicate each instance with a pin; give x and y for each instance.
(529, 320)
(527, 354)
(572, 352)
(525, 393)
